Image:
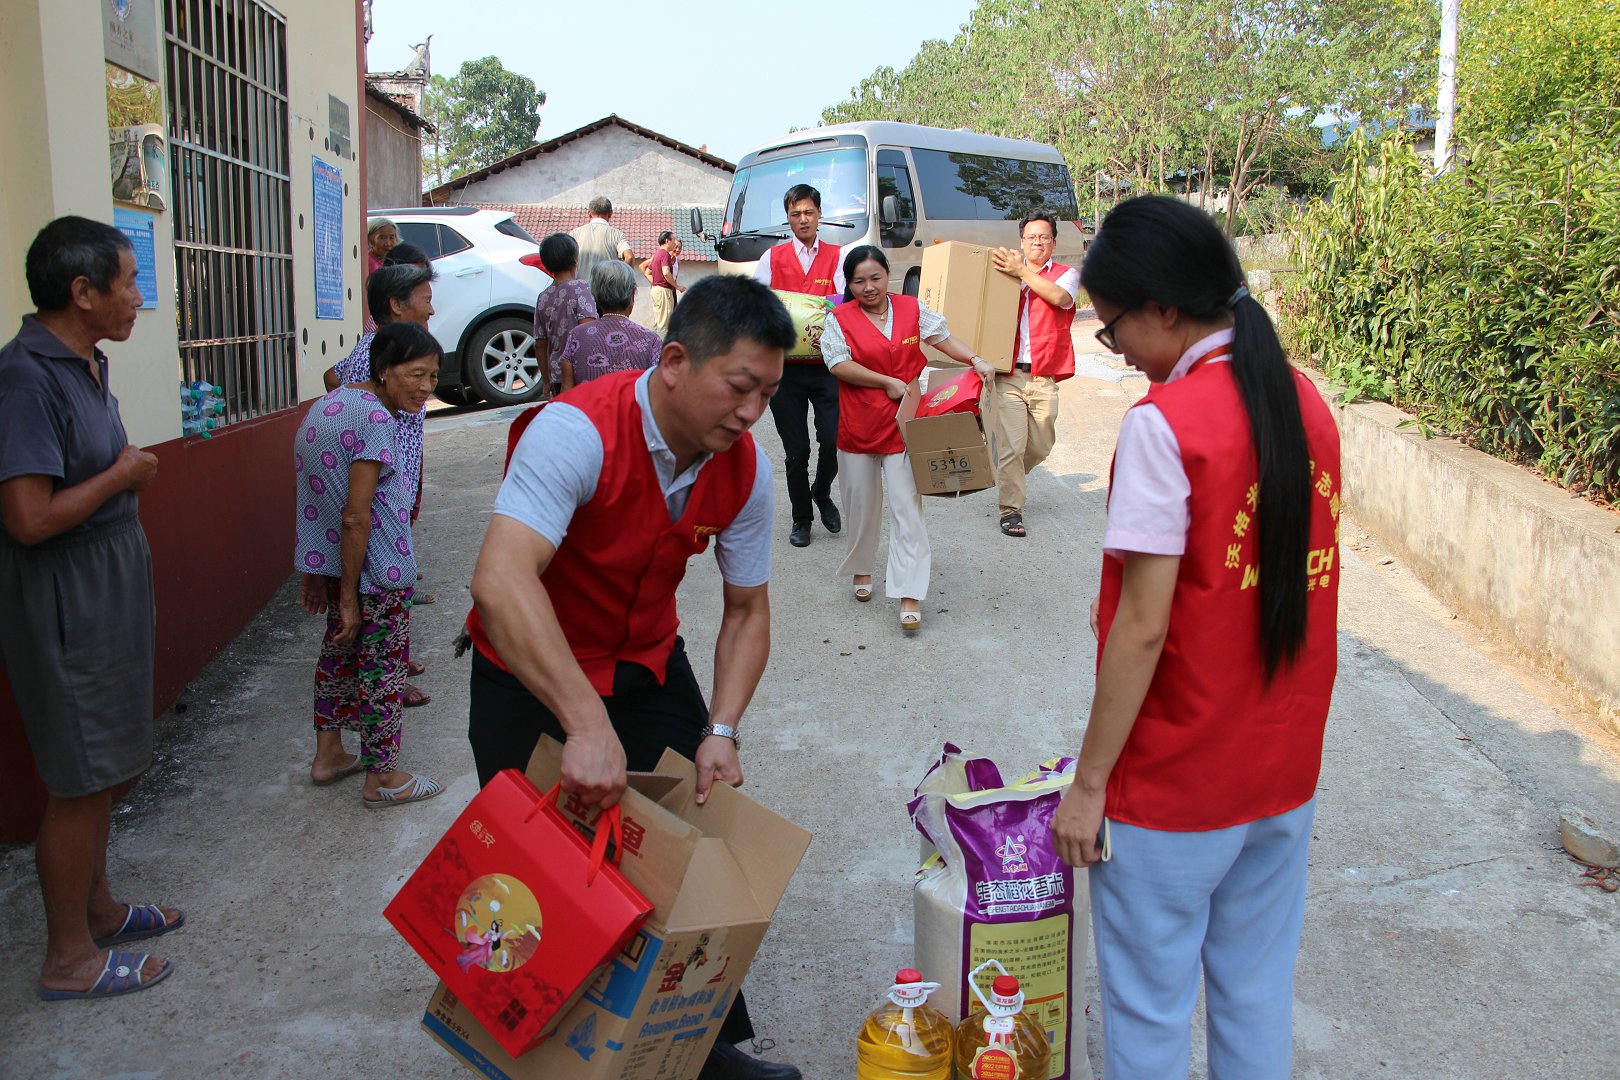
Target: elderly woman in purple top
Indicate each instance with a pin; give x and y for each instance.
(611, 343)
(560, 308)
(353, 548)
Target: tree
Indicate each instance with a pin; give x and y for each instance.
(483, 113)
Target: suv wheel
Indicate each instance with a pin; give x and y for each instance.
(501, 367)
(457, 395)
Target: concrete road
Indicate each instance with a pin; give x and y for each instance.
(1446, 936)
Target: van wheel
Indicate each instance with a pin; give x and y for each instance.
(500, 362)
(913, 283)
(457, 395)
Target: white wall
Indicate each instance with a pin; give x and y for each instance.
(626, 167)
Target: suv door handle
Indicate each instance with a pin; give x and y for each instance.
(470, 271)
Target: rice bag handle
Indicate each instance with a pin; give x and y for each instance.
(609, 825)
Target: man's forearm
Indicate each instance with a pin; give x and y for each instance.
(522, 625)
(741, 650)
(59, 511)
(1050, 291)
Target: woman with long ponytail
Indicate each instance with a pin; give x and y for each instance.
(1217, 619)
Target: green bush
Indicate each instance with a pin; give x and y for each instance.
(1486, 301)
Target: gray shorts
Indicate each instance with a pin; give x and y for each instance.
(76, 639)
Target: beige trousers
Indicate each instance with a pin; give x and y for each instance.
(1026, 430)
(861, 480)
(663, 305)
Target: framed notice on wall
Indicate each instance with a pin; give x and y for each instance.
(328, 236)
(129, 32)
(141, 228)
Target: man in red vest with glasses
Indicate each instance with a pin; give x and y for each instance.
(608, 494)
(1026, 398)
(805, 265)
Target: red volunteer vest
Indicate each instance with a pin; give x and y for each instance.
(613, 580)
(789, 276)
(1214, 745)
(866, 423)
(1051, 343)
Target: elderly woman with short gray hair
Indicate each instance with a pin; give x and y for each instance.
(612, 342)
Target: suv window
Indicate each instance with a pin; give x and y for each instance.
(511, 228)
(973, 187)
(451, 242)
(424, 234)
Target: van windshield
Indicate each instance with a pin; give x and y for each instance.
(756, 193)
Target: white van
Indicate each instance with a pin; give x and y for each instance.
(898, 187)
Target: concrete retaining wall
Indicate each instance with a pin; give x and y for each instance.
(1508, 549)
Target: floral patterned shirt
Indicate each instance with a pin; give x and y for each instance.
(611, 344)
(356, 368)
(557, 314)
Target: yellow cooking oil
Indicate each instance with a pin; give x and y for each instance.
(905, 1038)
(999, 1040)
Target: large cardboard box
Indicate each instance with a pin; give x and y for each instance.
(714, 874)
(978, 301)
(948, 453)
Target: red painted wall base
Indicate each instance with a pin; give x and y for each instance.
(219, 519)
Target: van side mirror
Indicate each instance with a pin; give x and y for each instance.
(697, 222)
(888, 210)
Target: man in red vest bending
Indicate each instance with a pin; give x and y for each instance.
(805, 265)
(609, 493)
(1026, 398)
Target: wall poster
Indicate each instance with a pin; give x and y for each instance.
(138, 153)
(328, 237)
(141, 228)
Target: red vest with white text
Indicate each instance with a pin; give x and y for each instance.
(1051, 344)
(866, 423)
(789, 276)
(613, 580)
(1214, 744)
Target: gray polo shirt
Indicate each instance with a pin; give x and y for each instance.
(56, 422)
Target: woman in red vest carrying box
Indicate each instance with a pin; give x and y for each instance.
(1195, 791)
(874, 348)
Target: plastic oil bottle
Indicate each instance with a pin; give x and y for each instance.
(905, 1038)
(999, 1040)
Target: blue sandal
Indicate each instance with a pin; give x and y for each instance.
(143, 921)
(120, 975)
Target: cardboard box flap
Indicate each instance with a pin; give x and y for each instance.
(717, 891)
(766, 846)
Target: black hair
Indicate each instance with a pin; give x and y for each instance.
(559, 253)
(1160, 249)
(665, 237)
(721, 308)
(399, 343)
(857, 256)
(1039, 215)
(388, 283)
(408, 255)
(798, 193)
(70, 248)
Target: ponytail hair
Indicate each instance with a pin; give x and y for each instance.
(857, 256)
(1161, 249)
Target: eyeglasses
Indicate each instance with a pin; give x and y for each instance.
(1040, 238)
(1105, 335)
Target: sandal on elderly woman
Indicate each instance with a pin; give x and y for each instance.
(413, 697)
(142, 921)
(417, 788)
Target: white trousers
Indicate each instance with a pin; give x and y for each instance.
(861, 480)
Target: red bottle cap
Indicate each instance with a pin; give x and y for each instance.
(907, 975)
(1004, 986)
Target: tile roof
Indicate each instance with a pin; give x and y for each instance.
(640, 224)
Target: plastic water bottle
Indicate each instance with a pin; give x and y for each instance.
(999, 1040)
(905, 1038)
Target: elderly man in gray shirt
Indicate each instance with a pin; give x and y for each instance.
(599, 241)
(76, 612)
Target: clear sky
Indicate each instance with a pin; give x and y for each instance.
(727, 74)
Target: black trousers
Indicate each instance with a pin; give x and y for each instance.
(807, 386)
(505, 723)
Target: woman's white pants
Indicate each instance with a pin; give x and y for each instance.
(861, 482)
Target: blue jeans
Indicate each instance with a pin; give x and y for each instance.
(1229, 901)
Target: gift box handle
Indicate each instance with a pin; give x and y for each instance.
(609, 826)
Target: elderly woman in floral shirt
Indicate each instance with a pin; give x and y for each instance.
(611, 343)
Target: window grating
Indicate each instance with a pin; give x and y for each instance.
(232, 205)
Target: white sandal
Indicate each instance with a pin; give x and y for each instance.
(863, 591)
(417, 788)
(910, 621)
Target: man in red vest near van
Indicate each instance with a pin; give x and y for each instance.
(805, 265)
(609, 493)
(1026, 398)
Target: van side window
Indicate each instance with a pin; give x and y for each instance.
(894, 178)
(973, 187)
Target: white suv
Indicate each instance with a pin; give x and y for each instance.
(488, 276)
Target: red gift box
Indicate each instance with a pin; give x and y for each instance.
(516, 911)
(959, 394)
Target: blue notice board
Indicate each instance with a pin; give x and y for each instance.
(328, 241)
(141, 228)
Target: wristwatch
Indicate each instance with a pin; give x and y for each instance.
(725, 731)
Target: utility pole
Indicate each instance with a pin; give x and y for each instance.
(1444, 123)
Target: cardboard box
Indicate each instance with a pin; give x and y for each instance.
(714, 874)
(978, 301)
(948, 453)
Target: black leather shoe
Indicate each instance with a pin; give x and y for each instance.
(800, 536)
(726, 1062)
(830, 517)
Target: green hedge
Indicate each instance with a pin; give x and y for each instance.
(1487, 301)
